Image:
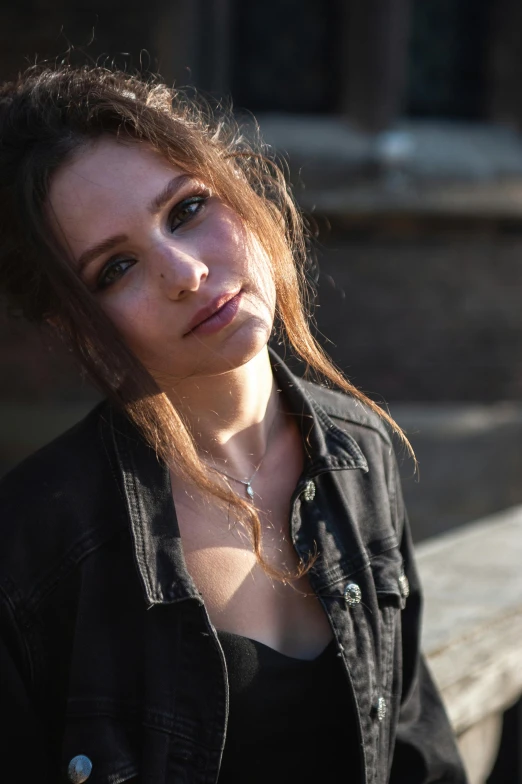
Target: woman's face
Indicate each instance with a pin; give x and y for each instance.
(189, 289)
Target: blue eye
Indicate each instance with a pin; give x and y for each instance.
(113, 271)
(185, 211)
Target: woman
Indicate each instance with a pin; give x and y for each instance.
(210, 578)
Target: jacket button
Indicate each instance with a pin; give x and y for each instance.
(381, 709)
(352, 594)
(404, 586)
(309, 491)
(79, 769)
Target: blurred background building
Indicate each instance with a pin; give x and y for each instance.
(401, 121)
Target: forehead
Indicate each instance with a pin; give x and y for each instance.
(104, 188)
(102, 168)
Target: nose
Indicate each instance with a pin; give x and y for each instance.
(179, 272)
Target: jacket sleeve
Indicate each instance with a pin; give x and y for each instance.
(23, 756)
(425, 750)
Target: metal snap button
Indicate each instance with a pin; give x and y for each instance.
(79, 769)
(381, 709)
(352, 594)
(309, 491)
(404, 586)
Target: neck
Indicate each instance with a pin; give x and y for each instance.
(231, 415)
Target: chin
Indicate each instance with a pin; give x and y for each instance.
(238, 350)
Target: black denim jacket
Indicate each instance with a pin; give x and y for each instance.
(107, 651)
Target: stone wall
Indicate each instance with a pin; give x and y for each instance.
(433, 317)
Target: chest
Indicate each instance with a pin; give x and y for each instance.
(239, 595)
(164, 663)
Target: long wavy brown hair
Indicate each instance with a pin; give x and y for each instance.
(47, 116)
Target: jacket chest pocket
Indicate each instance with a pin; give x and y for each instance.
(108, 750)
(99, 750)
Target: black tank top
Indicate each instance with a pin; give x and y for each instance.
(290, 720)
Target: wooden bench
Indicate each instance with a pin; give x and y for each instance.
(472, 636)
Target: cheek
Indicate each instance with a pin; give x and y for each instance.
(227, 232)
(137, 319)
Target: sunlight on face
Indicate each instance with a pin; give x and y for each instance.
(189, 289)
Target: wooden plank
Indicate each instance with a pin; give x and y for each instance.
(473, 615)
(481, 673)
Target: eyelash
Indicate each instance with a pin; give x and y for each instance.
(197, 201)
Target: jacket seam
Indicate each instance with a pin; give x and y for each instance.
(132, 495)
(357, 710)
(356, 564)
(86, 545)
(394, 496)
(21, 637)
(109, 459)
(339, 413)
(336, 414)
(348, 441)
(135, 506)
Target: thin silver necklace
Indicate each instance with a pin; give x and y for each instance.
(247, 483)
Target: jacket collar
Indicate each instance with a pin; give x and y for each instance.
(147, 488)
(325, 444)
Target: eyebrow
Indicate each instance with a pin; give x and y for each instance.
(168, 192)
(96, 250)
(155, 206)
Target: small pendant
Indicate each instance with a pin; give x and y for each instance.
(249, 491)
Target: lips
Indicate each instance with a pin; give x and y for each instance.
(221, 309)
